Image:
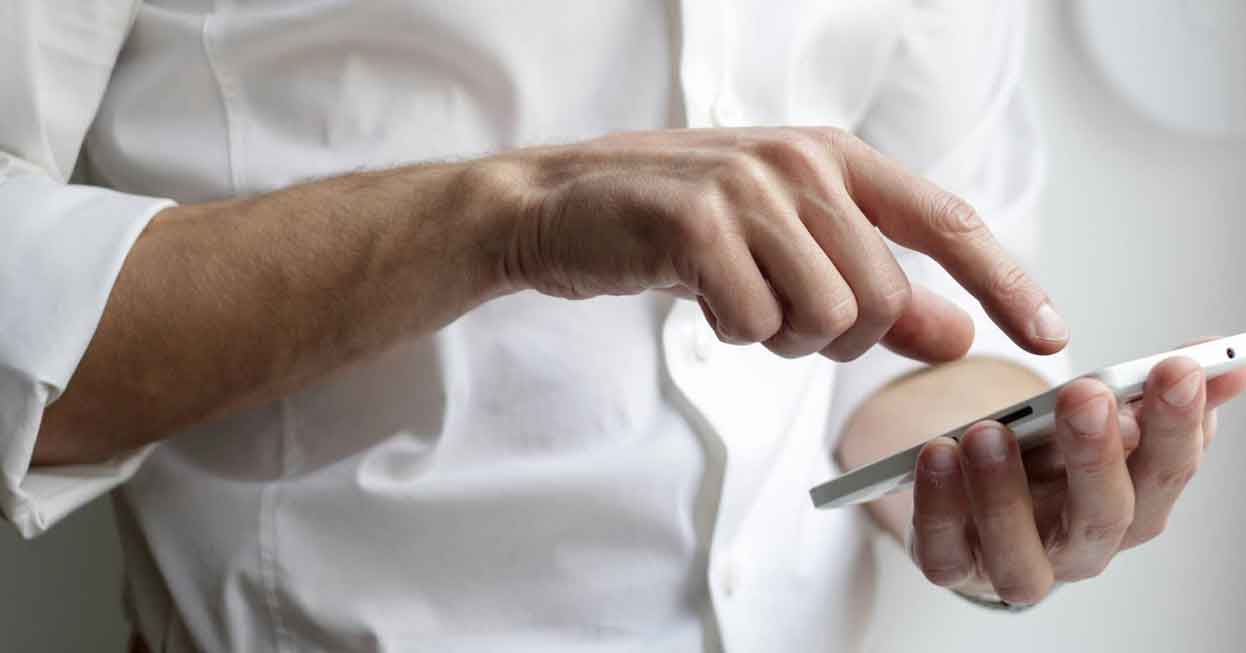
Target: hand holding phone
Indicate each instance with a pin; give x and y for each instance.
(1031, 421)
(1001, 525)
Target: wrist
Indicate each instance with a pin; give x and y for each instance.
(499, 199)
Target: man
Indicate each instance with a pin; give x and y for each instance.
(381, 423)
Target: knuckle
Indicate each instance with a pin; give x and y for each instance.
(795, 147)
(790, 344)
(1174, 480)
(887, 308)
(1094, 461)
(806, 148)
(777, 141)
(761, 327)
(839, 147)
(952, 216)
(827, 321)
(701, 227)
(1008, 281)
(757, 325)
(704, 200)
(1002, 510)
(488, 176)
(744, 172)
(938, 527)
(1106, 529)
(841, 138)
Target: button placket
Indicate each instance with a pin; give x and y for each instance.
(727, 575)
(702, 61)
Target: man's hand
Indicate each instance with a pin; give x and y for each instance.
(775, 231)
(991, 522)
(230, 304)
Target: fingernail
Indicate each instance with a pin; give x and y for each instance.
(989, 444)
(1130, 433)
(941, 458)
(1184, 391)
(1048, 325)
(1091, 417)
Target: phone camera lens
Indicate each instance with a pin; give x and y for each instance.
(1231, 353)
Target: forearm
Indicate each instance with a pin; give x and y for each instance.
(233, 303)
(917, 407)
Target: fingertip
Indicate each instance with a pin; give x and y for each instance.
(1076, 393)
(986, 425)
(932, 330)
(1171, 370)
(1045, 348)
(939, 456)
(987, 444)
(1176, 386)
(1048, 332)
(1025, 336)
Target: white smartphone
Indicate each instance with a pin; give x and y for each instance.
(1031, 421)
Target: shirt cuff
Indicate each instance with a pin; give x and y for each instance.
(61, 249)
(35, 498)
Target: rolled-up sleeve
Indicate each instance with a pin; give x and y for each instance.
(61, 245)
(951, 109)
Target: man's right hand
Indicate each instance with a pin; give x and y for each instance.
(775, 231)
(230, 304)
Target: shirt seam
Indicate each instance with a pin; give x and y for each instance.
(226, 93)
(270, 498)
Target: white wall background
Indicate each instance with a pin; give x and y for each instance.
(1145, 247)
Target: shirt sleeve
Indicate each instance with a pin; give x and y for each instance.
(61, 245)
(950, 108)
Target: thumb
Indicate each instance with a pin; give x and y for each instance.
(932, 330)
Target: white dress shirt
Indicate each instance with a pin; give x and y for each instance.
(541, 475)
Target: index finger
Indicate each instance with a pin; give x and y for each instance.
(917, 214)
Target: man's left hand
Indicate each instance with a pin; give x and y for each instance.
(994, 523)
